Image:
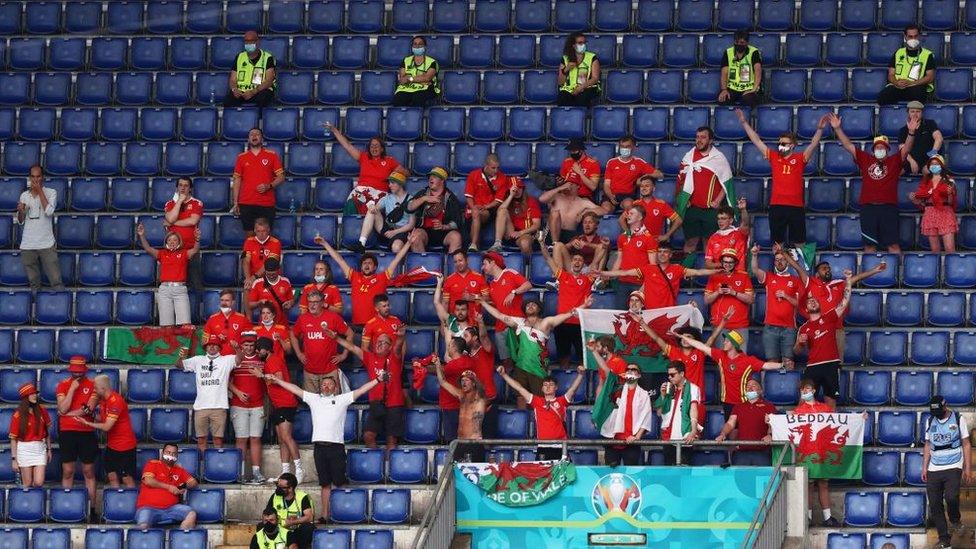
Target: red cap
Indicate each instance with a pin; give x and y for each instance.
(494, 257)
(212, 339)
(78, 365)
(27, 390)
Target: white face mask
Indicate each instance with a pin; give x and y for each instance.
(912, 43)
(880, 154)
(225, 310)
(320, 278)
(807, 397)
(267, 323)
(624, 152)
(784, 149)
(580, 48)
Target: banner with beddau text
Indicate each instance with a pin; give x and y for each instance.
(561, 506)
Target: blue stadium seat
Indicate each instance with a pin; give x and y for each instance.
(461, 87)
(159, 124)
(181, 387)
(888, 348)
(525, 123)
(332, 539)
(350, 52)
(153, 538)
(136, 269)
(52, 308)
(838, 540)
(143, 158)
(145, 386)
(366, 466)
(16, 308)
(26, 505)
(209, 505)
(325, 17)
(148, 54)
(881, 47)
(445, 124)
(539, 87)
(871, 388)
(6, 346)
(14, 88)
(11, 380)
(788, 86)
(69, 505)
(164, 17)
(374, 539)
(516, 51)
(188, 53)
(897, 14)
(930, 348)
(390, 506)
(639, 51)
(133, 88)
(955, 85)
(10, 15)
(532, 16)
(190, 539)
(27, 54)
(223, 52)
(408, 466)
(863, 509)
(803, 50)
(124, 18)
(913, 470)
(962, 48)
(946, 309)
(866, 83)
(567, 123)
(348, 506)
(956, 387)
(221, 465)
(51, 538)
(858, 15)
(904, 309)
(244, 15)
(885, 279)
(679, 51)
(921, 270)
(896, 428)
(305, 159)
(66, 54)
(422, 425)
(703, 86)
(906, 509)
(114, 231)
(62, 158)
(843, 49)
(76, 342)
(47, 384)
(37, 124)
(168, 425)
(513, 424)
(913, 388)
(502, 87)
(94, 308)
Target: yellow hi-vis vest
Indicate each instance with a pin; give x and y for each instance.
(416, 70)
(280, 541)
(284, 510)
(741, 77)
(912, 68)
(251, 75)
(580, 73)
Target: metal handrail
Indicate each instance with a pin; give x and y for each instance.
(766, 502)
(447, 478)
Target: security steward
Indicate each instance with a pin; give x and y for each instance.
(579, 74)
(741, 73)
(293, 512)
(270, 535)
(252, 82)
(911, 74)
(945, 462)
(417, 81)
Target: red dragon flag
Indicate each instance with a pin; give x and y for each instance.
(829, 445)
(150, 344)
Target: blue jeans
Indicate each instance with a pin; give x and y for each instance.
(152, 516)
(778, 342)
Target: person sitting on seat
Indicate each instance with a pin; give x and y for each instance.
(164, 482)
(741, 73)
(911, 74)
(417, 80)
(579, 74)
(253, 81)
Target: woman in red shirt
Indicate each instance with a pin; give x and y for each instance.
(29, 444)
(278, 333)
(936, 196)
(374, 167)
(322, 282)
(172, 299)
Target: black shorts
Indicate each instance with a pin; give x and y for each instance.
(78, 446)
(787, 224)
(879, 225)
(330, 463)
(121, 463)
(825, 376)
(250, 214)
(435, 237)
(386, 420)
(565, 236)
(569, 341)
(281, 415)
(388, 242)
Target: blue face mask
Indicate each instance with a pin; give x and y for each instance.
(419, 51)
(935, 169)
(580, 48)
(624, 152)
(752, 395)
(250, 48)
(807, 397)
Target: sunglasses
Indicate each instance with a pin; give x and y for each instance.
(672, 374)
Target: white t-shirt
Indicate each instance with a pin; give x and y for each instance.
(328, 416)
(963, 434)
(212, 380)
(38, 233)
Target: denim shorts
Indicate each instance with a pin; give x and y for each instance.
(153, 516)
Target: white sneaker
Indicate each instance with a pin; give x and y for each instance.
(299, 474)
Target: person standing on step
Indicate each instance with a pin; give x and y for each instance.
(946, 464)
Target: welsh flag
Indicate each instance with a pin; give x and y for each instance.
(520, 484)
(829, 445)
(150, 344)
(633, 344)
(716, 163)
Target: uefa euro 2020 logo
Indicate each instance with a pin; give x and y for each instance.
(616, 493)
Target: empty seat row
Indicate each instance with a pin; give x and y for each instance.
(860, 540)
(60, 538)
(909, 309)
(899, 509)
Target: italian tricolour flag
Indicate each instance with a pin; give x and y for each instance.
(829, 445)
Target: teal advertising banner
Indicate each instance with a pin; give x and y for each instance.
(618, 507)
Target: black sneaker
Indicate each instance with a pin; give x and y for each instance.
(831, 523)
(357, 247)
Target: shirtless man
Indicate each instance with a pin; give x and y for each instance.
(472, 413)
(566, 210)
(529, 349)
(593, 247)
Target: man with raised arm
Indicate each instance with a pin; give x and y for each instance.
(731, 290)
(574, 288)
(456, 321)
(729, 236)
(316, 352)
(550, 410)
(471, 414)
(782, 300)
(505, 292)
(817, 335)
(661, 279)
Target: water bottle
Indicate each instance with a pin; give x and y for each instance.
(291, 207)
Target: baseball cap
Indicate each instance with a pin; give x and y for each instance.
(494, 257)
(881, 140)
(575, 144)
(730, 252)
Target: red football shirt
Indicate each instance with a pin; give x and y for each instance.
(280, 398)
(484, 368)
(879, 180)
(254, 170)
(751, 421)
(821, 338)
(228, 328)
(694, 362)
(390, 392)
(780, 312)
(35, 431)
(457, 284)
(633, 249)
(83, 395)
(787, 187)
(269, 332)
(735, 238)
(319, 348)
(662, 284)
(377, 326)
(172, 265)
(364, 289)
(188, 208)
(622, 176)
(247, 383)
(255, 251)
(657, 212)
(812, 407)
(550, 417)
(616, 365)
(120, 437)
(374, 171)
(330, 295)
(499, 289)
(739, 282)
(159, 498)
(262, 291)
(452, 374)
(735, 373)
(706, 184)
(522, 215)
(590, 167)
(573, 291)
(481, 190)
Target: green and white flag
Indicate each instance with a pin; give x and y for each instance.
(633, 344)
(829, 445)
(520, 484)
(150, 344)
(714, 162)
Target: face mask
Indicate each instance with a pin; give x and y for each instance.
(267, 323)
(270, 528)
(279, 491)
(784, 149)
(576, 155)
(320, 278)
(225, 310)
(580, 48)
(419, 51)
(935, 169)
(625, 152)
(752, 395)
(741, 49)
(250, 48)
(912, 43)
(880, 154)
(170, 460)
(807, 397)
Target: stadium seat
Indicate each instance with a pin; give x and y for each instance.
(513, 424)
(15, 88)
(913, 388)
(502, 87)
(955, 85)
(209, 505)
(221, 465)
(888, 348)
(26, 504)
(374, 539)
(913, 469)
(191, 539)
(168, 425)
(960, 270)
(881, 468)
(956, 387)
(135, 308)
(904, 309)
(220, 269)
(803, 50)
(68, 505)
(930, 348)
(52, 308)
(865, 309)
(871, 388)
(422, 425)
(838, 540)
(145, 386)
(679, 51)
(11, 380)
(51, 538)
(863, 509)
(135, 269)
(788, 86)
(76, 342)
(35, 346)
(896, 428)
(906, 509)
(348, 506)
(390, 506)
(946, 309)
(866, 83)
(152, 538)
(921, 270)
(843, 49)
(15, 308)
(408, 466)
(366, 466)
(181, 387)
(37, 124)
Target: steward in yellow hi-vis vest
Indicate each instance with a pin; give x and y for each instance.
(271, 534)
(253, 80)
(911, 73)
(741, 80)
(417, 84)
(291, 510)
(579, 74)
